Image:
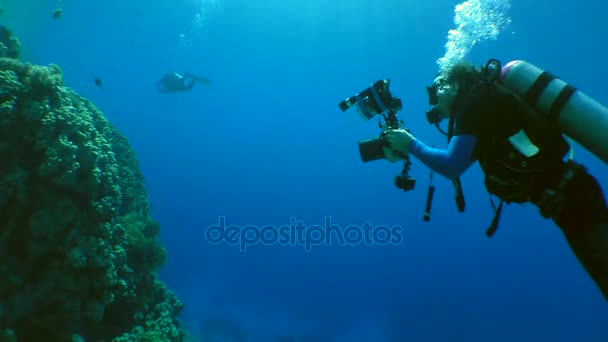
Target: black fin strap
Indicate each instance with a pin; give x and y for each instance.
(490, 232)
(560, 102)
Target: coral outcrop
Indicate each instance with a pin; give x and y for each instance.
(78, 248)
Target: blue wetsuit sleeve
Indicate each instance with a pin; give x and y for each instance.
(450, 163)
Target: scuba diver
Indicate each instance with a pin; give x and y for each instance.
(173, 83)
(498, 117)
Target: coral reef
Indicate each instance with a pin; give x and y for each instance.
(78, 248)
(9, 44)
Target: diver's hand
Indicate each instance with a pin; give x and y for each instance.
(390, 155)
(399, 140)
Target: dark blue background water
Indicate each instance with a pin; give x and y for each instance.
(267, 142)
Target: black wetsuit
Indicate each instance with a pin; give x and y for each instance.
(492, 116)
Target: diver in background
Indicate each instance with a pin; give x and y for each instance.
(173, 83)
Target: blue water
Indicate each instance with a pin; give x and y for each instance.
(266, 142)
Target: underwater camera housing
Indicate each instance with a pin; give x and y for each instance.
(371, 102)
(374, 100)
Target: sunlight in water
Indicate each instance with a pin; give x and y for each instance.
(476, 20)
(204, 9)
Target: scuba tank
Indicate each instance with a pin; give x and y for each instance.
(577, 115)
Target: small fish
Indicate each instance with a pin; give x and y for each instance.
(57, 13)
(98, 83)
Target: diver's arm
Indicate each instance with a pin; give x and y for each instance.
(450, 163)
(203, 80)
(188, 87)
(197, 79)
